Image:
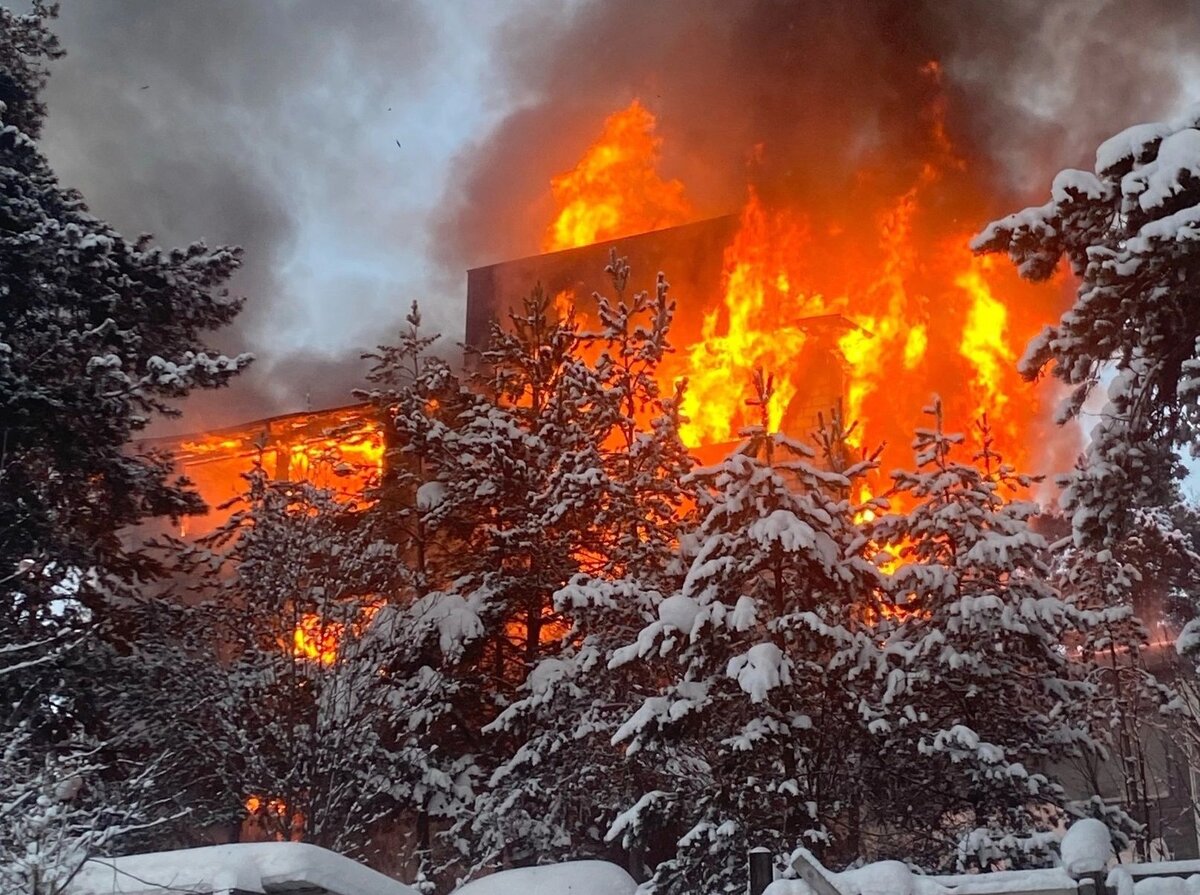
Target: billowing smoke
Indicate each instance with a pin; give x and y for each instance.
(272, 126)
(317, 134)
(835, 110)
(813, 90)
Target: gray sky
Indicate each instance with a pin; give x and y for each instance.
(275, 126)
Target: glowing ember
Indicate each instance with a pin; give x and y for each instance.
(255, 805)
(616, 190)
(317, 639)
(269, 820)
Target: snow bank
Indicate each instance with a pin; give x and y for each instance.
(1086, 847)
(896, 878)
(250, 867)
(1167, 885)
(572, 878)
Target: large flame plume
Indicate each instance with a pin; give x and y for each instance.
(616, 190)
(871, 303)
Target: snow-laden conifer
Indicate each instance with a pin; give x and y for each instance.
(983, 688)
(98, 334)
(562, 787)
(761, 651)
(306, 733)
(1129, 230)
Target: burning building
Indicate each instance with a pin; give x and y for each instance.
(867, 302)
(871, 305)
(338, 448)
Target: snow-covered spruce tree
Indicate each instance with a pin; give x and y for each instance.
(433, 688)
(60, 808)
(492, 496)
(979, 698)
(558, 793)
(1129, 232)
(762, 651)
(1183, 612)
(97, 334)
(644, 456)
(1145, 726)
(298, 713)
(535, 442)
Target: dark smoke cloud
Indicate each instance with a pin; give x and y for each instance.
(273, 125)
(1041, 84)
(821, 87)
(265, 125)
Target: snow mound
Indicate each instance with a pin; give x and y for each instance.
(249, 867)
(572, 878)
(1086, 847)
(1166, 885)
(679, 611)
(881, 878)
(897, 878)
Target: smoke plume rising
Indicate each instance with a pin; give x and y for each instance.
(331, 140)
(811, 91)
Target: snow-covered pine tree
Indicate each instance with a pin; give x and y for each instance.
(62, 806)
(762, 651)
(980, 698)
(1143, 723)
(562, 788)
(644, 455)
(1129, 232)
(1182, 612)
(97, 335)
(496, 485)
(527, 475)
(433, 692)
(298, 715)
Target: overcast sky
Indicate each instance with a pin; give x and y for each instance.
(365, 152)
(317, 135)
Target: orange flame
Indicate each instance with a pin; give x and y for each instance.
(297, 447)
(984, 338)
(874, 322)
(872, 305)
(316, 639)
(616, 190)
(269, 820)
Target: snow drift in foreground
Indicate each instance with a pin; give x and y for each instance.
(572, 878)
(895, 878)
(249, 867)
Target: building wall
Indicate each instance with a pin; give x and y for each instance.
(691, 256)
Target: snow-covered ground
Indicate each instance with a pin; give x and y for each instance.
(246, 867)
(572, 878)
